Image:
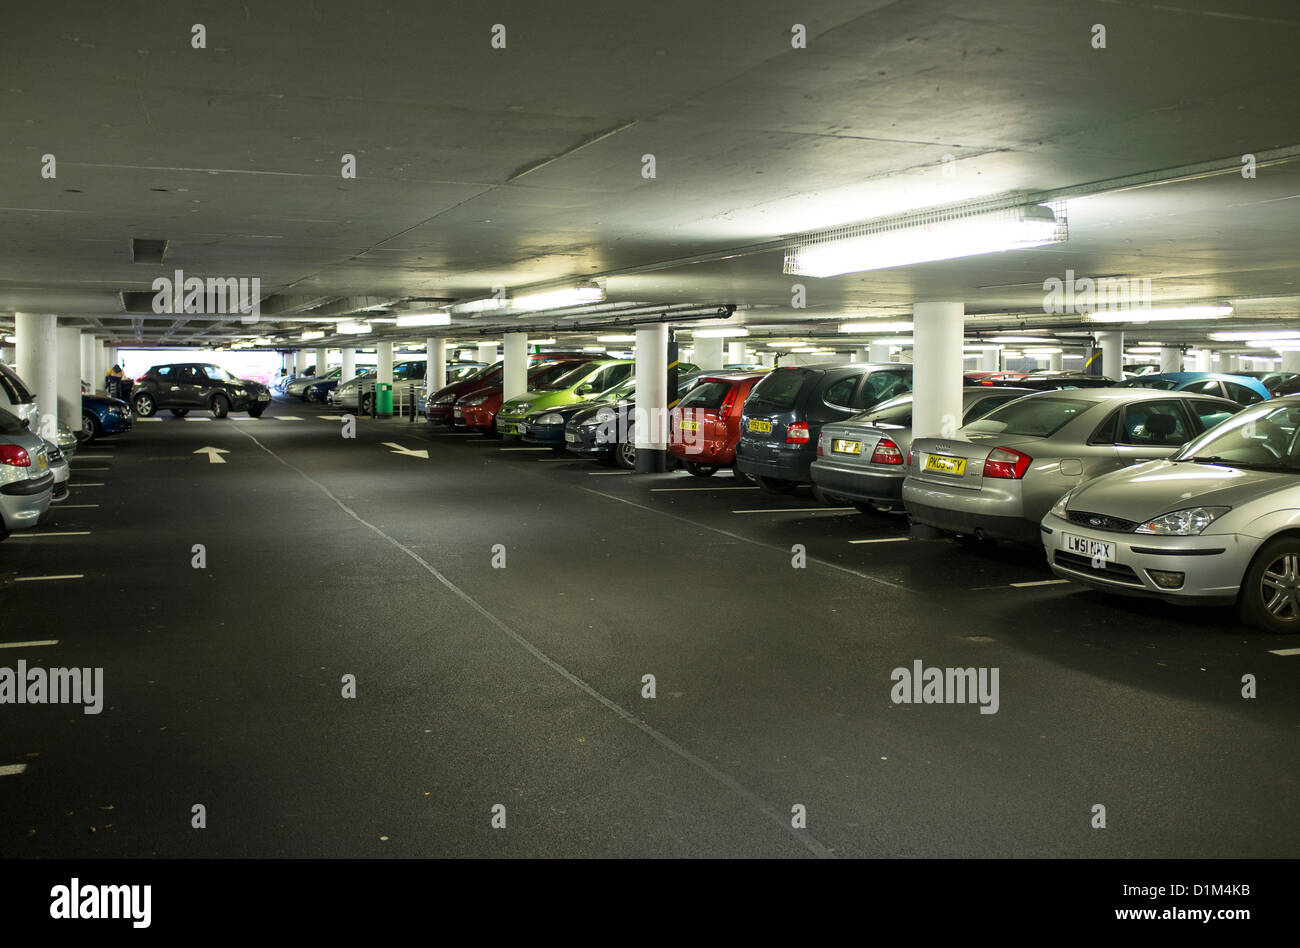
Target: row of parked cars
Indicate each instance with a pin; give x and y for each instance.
(1183, 486)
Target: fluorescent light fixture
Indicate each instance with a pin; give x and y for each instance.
(786, 345)
(1019, 339)
(616, 338)
(354, 329)
(1047, 350)
(312, 334)
(1011, 353)
(541, 342)
(424, 319)
(937, 234)
(722, 333)
(878, 326)
(593, 348)
(1159, 315)
(1143, 350)
(557, 299)
(262, 342)
(1246, 335)
(486, 305)
(11, 339)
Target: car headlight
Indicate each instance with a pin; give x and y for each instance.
(475, 401)
(1058, 508)
(522, 408)
(551, 418)
(603, 416)
(241, 392)
(445, 400)
(1182, 523)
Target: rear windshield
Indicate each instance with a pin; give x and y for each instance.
(11, 424)
(565, 380)
(1035, 417)
(780, 389)
(708, 394)
(1163, 385)
(13, 386)
(544, 376)
(896, 411)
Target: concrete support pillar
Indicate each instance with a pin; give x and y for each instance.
(36, 356)
(1111, 344)
(708, 353)
(1171, 359)
(990, 357)
(651, 424)
(862, 354)
(68, 343)
(90, 361)
(1230, 363)
(767, 357)
(879, 352)
(435, 369)
(349, 355)
(938, 330)
(736, 352)
(514, 374)
(1290, 361)
(322, 360)
(487, 352)
(1055, 360)
(384, 362)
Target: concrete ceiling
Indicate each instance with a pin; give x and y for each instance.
(522, 167)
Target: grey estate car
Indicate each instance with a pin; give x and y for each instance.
(998, 476)
(863, 459)
(1219, 522)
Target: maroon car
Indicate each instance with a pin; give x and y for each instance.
(439, 407)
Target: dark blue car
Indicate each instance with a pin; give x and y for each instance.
(101, 415)
(316, 391)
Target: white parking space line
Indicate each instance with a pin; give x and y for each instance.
(91, 457)
(82, 470)
(11, 770)
(680, 490)
(778, 510)
(1041, 582)
(148, 419)
(1284, 651)
(333, 417)
(286, 417)
(75, 484)
(607, 473)
(77, 506)
(196, 419)
(883, 540)
(34, 644)
(42, 579)
(523, 449)
(561, 458)
(39, 536)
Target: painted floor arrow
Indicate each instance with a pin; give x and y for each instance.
(398, 449)
(214, 454)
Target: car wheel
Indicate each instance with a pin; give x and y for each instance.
(625, 453)
(774, 485)
(364, 405)
(256, 412)
(144, 404)
(89, 428)
(741, 476)
(879, 510)
(220, 406)
(1270, 593)
(701, 470)
(179, 412)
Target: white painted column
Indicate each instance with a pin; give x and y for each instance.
(322, 360)
(349, 354)
(708, 353)
(487, 352)
(68, 342)
(384, 362)
(938, 329)
(514, 373)
(767, 357)
(736, 353)
(879, 352)
(36, 362)
(435, 369)
(1290, 361)
(1055, 361)
(990, 356)
(1111, 344)
(1231, 363)
(1171, 359)
(90, 360)
(862, 354)
(651, 424)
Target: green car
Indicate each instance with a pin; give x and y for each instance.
(583, 382)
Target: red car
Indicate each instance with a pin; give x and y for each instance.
(478, 408)
(705, 426)
(440, 405)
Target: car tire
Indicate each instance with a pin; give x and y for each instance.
(625, 453)
(742, 476)
(1275, 570)
(701, 470)
(774, 485)
(256, 412)
(220, 406)
(144, 405)
(363, 405)
(90, 429)
(179, 412)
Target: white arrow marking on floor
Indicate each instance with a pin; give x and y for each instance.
(1285, 651)
(398, 449)
(214, 454)
(33, 644)
(11, 770)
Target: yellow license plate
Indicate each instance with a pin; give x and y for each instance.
(944, 464)
(846, 447)
(690, 426)
(764, 427)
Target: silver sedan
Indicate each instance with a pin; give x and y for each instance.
(861, 459)
(1214, 524)
(998, 476)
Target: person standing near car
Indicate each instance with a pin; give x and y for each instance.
(113, 382)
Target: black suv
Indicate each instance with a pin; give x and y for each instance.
(782, 419)
(185, 386)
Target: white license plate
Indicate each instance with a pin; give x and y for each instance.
(570, 437)
(523, 428)
(1099, 551)
(264, 397)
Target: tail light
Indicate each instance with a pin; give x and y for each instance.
(797, 433)
(911, 457)
(1006, 463)
(14, 455)
(143, 377)
(724, 410)
(820, 452)
(886, 453)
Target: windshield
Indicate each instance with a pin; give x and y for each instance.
(568, 379)
(549, 373)
(217, 373)
(1034, 416)
(624, 389)
(1262, 437)
(13, 386)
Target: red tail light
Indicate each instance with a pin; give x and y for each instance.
(1004, 462)
(14, 455)
(143, 377)
(797, 433)
(724, 410)
(886, 453)
(820, 453)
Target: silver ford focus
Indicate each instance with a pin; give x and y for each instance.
(998, 476)
(1219, 522)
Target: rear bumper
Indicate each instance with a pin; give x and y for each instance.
(709, 452)
(777, 463)
(995, 514)
(21, 511)
(858, 484)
